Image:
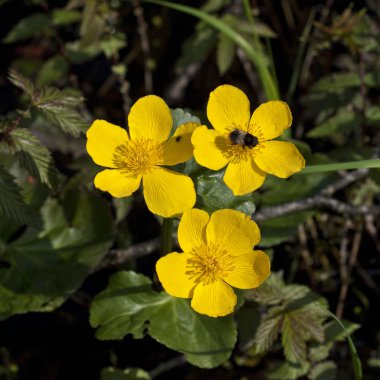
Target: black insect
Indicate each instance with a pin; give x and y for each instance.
(244, 139)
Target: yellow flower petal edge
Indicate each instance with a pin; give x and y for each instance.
(211, 148)
(168, 193)
(241, 277)
(270, 119)
(103, 139)
(280, 158)
(219, 255)
(245, 146)
(233, 230)
(179, 149)
(117, 183)
(243, 176)
(215, 299)
(150, 118)
(228, 108)
(192, 229)
(171, 271)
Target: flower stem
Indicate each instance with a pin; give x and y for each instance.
(374, 163)
(166, 236)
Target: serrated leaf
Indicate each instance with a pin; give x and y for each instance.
(344, 121)
(47, 265)
(61, 109)
(268, 330)
(28, 27)
(320, 352)
(323, 371)
(34, 156)
(54, 69)
(213, 194)
(12, 204)
(129, 306)
(293, 340)
(225, 53)
(111, 373)
(288, 371)
(21, 82)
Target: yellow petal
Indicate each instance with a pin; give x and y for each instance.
(270, 119)
(171, 271)
(210, 148)
(179, 148)
(243, 176)
(192, 229)
(228, 108)
(150, 117)
(216, 299)
(103, 139)
(279, 158)
(250, 270)
(168, 193)
(233, 231)
(117, 183)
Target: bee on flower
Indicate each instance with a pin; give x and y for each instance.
(218, 255)
(244, 143)
(140, 156)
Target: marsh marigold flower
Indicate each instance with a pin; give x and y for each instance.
(218, 255)
(139, 156)
(244, 143)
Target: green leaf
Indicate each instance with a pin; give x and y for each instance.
(65, 16)
(339, 82)
(225, 53)
(181, 117)
(34, 156)
(21, 82)
(293, 339)
(213, 195)
(61, 109)
(53, 70)
(320, 352)
(256, 56)
(28, 27)
(335, 333)
(130, 306)
(288, 371)
(111, 373)
(198, 46)
(92, 26)
(344, 121)
(47, 265)
(324, 371)
(12, 204)
(269, 329)
(112, 44)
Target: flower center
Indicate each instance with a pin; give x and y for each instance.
(138, 156)
(208, 263)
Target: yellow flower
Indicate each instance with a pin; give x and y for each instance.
(243, 143)
(218, 254)
(137, 157)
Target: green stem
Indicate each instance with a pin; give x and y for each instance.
(374, 163)
(356, 363)
(166, 236)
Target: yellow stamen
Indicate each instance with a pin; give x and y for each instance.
(139, 156)
(208, 263)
